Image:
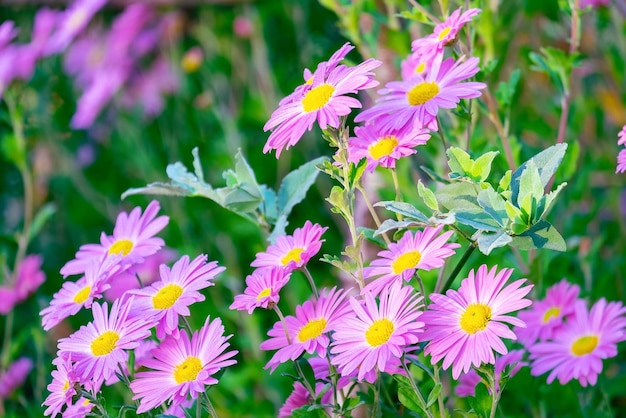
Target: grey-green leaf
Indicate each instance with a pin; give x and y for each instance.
(487, 241)
(547, 162)
(295, 185)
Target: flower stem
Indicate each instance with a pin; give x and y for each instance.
(209, 405)
(307, 273)
(396, 186)
(457, 269)
(373, 212)
(420, 398)
(437, 379)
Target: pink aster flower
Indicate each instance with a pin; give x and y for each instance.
(328, 66)
(298, 398)
(383, 146)
(75, 296)
(577, 351)
(61, 388)
(308, 329)
(100, 347)
(292, 252)
(621, 162)
(621, 136)
(468, 381)
(72, 22)
(133, 239)
(178, 288)
(29, 276)
(416, 101)
(80, 409)
(423, 250)
(14, 376)
(183, 366)
(324, 101)
(377, 334)
(414, 64)
(445, 33)
(464, 327)
(262, 288)
(548, 315)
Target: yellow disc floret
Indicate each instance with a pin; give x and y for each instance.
(379, 332)
(105, 343)
(475, 318)
(422, 93)
(167, 296)
(187, 370)
(317, 97)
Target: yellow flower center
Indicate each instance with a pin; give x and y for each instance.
(105, 343)
(312, 330)
(167, 296)
(121, 246)
(422, 93)
(383, 147)
(420, 68)
(584, 345)
(406, 261)
(317, 97)
(379, 332)
(264, 293)
(475, 318)
(551, 313)
(66, 385)
(444, 33)
(309, 81)
(86, 402)
(187, 370)
(292, 255)
(82, 295)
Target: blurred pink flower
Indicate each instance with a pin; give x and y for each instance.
(594, 3)
(71, 22)
(242, 26)
(621, 162)
(28, 279)
(468, 381)
(14, 376)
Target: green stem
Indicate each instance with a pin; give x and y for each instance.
(495, 395)
(437, 379)
(396, 186)
(376, 394)
(282, 321)
(209, 405)
(441, 134)
(372, 212)
(457, 269)
(307, 273)
(420, 398)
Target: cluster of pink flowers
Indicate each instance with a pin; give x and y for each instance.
(179, 365)
(621, 157)
(101, 63)
(567, 338)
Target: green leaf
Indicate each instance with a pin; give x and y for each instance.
(197, 166)
(459, 161)
(493, 203)
(305, 412)
(409, 399)
(427, 195)
(506, 90)
(481, 403)
(391, 224)
(549, 199)
(40, 218)
(530, 185)
(487, 241)
(295, 185)
(462, 200)
(404, 209)
(433, 395)
(540, 235)
(307, 370)
(13, 149)
(269, 204)
(482, 166)
(372, 236)
(158, 188)
(547, 162)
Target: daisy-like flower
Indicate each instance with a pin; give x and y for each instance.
(377, 334)
(308, 329)
(548, 315)
(133, 239)
(324, 101)
(183, 366)
(178, 288)
(73, 296)
(577, 351)
(72, 22)
(382, 146)
(445, 33)
(99, 347)
(468, 381)
(329, 66)
(423, 250)
(414, 64)
(14, 376)
(464, 327)
(80, 409)
(621, 162)
(416, 101)
(61, 388)
(621, 136)
(298, 398)
(262, 288)
(292, 252)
